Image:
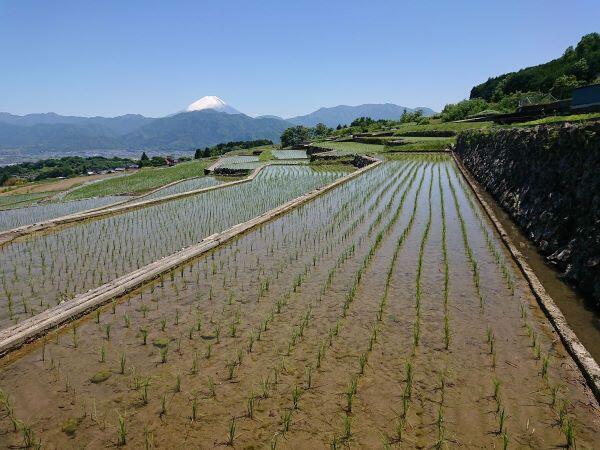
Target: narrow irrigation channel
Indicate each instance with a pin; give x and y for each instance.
(384, 313)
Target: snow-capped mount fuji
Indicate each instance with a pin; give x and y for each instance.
(212, 102)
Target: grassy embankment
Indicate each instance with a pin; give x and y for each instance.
(433, 135)
(141, 181)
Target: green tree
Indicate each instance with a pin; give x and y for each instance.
(463, 109)
(362, 122)
(564, 85)
(144, 160)
(199, 153)
(408, 117)
(321, 130)
(295, 136)
(581, 69)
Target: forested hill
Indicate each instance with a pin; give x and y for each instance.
(577, 66)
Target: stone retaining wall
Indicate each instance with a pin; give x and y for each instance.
(548, 179)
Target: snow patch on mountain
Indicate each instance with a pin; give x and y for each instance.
(212, 102)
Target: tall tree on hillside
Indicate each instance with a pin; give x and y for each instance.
(295, 135)
(144, 160)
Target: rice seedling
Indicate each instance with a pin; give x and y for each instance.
(335, 443)
(121, 431)
(164, 351)
(250, 406)
(211, 388)
(347, 425)
(273, 443)
(562, 413)
(501, 420)
(286, 420)
(553, 395)
(122, 361)
(148, 438)
(265, 387)
(362, 362)
(194, 415)
(399, 428)
(440, 428)
(144, 333)
(496, 393)
(446, 332)
(320, 354)
(416, 333)
(569, 431)
(177, 387)
(296, 394)
(232, 429)
(545, 363)
(231, 365)
(107, 331)
(309, 370)
(251, 339)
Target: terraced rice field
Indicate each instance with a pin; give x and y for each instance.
(20, 200)
(344, 148)
(240, 162)
(384, 313)
(289, 154)
(16, 217)
(41, 271)
(184, 186)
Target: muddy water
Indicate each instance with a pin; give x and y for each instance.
(268, 333)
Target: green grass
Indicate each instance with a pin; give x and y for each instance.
(436, 125)
(569, 118)
(415, 144)
(266, 155)
(437, 144)
(351, 147)
(141, 181)
(412, 139)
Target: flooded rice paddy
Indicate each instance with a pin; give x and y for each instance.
(289, 154)
(17, 217)
(185, 186)
(385, 313)
(42, 270)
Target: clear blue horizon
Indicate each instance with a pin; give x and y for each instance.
(154, 58)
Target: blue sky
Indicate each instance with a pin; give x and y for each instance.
(114, 57)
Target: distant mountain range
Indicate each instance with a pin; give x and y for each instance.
(205, 122)
(343, 114)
